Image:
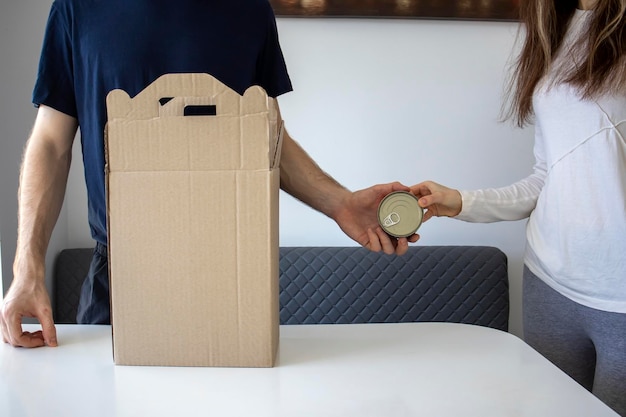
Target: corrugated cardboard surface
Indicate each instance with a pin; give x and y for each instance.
(193, 225)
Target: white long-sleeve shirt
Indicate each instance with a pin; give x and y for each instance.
(576, 197)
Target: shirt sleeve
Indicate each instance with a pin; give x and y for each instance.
(272, 72)
(54, 86)
(513, 202)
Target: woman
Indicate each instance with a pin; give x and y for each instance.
(570, 75)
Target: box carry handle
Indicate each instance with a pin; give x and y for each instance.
(200, 110)
(187, 106)
(193, 109)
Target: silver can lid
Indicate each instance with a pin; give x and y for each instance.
(399, 214)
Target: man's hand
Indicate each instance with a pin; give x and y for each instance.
(358, 218)
(27, 301)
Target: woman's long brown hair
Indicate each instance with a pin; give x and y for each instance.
(545, 21)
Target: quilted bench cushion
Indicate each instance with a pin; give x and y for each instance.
(70, 269)
(464, 284)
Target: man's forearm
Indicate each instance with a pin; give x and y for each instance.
(302, 178)
(43, 178)
(40, 197)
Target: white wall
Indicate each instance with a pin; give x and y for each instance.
(409, 100)
(374, 101)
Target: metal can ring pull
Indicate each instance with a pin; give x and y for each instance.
(391, 220)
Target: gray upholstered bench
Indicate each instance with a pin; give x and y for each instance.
(462, 284)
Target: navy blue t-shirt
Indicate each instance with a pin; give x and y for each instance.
(94, 46)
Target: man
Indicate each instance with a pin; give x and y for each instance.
(92, 47)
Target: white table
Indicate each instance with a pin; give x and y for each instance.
(382, 370)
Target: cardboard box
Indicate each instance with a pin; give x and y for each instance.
(193, 224)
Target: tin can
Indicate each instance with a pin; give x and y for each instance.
(399, 214)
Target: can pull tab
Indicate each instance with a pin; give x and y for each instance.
(392, 219)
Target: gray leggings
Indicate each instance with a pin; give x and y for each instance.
(587, 344)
